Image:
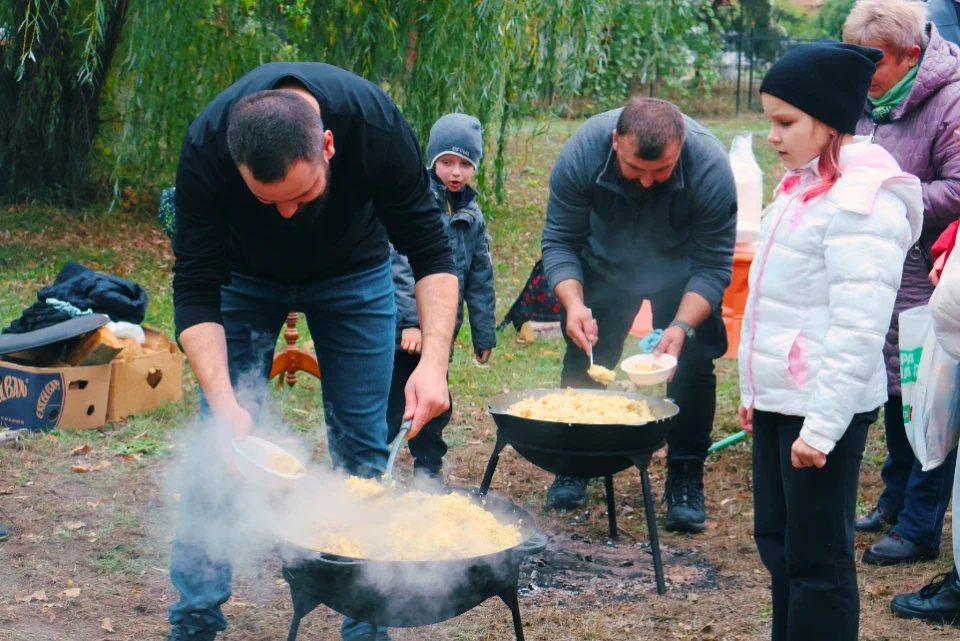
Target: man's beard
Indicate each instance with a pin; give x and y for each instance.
(308, 214)
(635, 190)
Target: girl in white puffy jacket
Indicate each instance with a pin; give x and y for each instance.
(822, 289)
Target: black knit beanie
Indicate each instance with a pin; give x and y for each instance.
(827, 80)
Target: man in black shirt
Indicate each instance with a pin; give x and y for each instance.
(289, 184)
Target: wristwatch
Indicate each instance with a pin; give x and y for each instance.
(689, 331)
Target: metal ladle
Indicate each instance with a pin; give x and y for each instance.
(386, 481)
(395, 447)
(600, 379)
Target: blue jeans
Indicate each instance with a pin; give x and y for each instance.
(352, 323)
(919, 498)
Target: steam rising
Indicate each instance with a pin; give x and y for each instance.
(227, 520)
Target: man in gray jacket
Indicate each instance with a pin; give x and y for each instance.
(643, 207)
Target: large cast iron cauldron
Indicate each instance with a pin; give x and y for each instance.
(581, 449)
(403, 594)
(587, 450)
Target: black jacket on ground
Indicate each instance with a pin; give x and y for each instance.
(121, 300)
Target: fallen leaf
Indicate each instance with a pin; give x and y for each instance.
(876, 591)
(80, 451)
(72, 593)
(129, 457)
(106, 625)
(279, 582)
(74, 525)
(682, 574)
(80, 468)
(39, 595)
(6, 490)
(93, 505)
(51, 438)
(68, 583)
(693, 598)
(100, 466)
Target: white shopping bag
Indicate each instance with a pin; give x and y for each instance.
(933, 427)
(914, 325)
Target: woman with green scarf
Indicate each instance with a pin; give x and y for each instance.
(913, 111)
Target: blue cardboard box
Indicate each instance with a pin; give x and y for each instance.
(41, 399)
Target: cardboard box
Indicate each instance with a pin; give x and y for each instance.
(145, 378)
(46, 398)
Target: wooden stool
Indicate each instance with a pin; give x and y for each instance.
(292, 359)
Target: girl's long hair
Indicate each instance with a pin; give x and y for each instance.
(829, 168)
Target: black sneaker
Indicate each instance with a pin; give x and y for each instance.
(937, 602)
(684, 497)
(4, 534)
(183, 632)
(567, 492)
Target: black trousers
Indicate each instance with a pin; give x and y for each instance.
(694, 386)
(803, 526)
(427, 447)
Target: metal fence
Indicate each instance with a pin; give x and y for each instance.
(745, 59)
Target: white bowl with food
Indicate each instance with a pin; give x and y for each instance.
(647, 369)
(266, 464)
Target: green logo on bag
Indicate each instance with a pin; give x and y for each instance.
(909, 362)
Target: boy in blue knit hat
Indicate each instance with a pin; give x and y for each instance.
(453, 153)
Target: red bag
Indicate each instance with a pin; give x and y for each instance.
(945, 244)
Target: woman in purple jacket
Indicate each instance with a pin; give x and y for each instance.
(913, 111)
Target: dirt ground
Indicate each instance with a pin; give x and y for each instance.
(88, 558)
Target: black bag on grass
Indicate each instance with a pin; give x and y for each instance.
(536, 302)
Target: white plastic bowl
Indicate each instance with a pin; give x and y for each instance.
(665, 365)
(251, 461)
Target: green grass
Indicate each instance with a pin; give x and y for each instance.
(120, 560)
(36, 240)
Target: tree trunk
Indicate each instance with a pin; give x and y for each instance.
(48, 117)
(83, 121)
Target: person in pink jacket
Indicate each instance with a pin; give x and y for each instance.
(822, 289)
